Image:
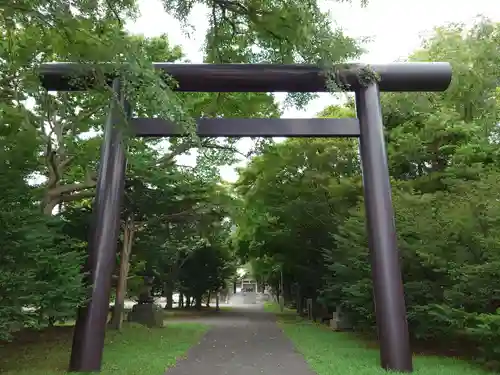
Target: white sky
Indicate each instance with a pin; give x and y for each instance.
(395, 27)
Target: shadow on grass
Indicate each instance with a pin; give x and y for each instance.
(192, 312)
(135, 350)
(330, 353)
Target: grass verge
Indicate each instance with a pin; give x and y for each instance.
(136, 350)
(332, 353)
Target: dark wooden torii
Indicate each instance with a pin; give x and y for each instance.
(395, 351)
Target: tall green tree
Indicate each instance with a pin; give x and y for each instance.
(443, 159)
(40, 280)
(291, 202)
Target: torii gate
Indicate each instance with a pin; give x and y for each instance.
(395, 351)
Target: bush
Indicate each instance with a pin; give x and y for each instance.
(40, 272)
(485, 329)
(450, 265)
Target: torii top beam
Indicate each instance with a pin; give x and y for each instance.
(394, 77)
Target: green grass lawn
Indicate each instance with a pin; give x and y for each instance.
(332, 353)
(136, 350)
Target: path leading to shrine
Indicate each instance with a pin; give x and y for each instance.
(243, 341)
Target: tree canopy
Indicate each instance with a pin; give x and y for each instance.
(304, 213)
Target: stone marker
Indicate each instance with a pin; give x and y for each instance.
(340, 321)
(148, 314)
(309, 307)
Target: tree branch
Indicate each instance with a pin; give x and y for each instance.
(52, 202)
(185, 147)
(65, 163)
(51, 164)
(71, 188)
(222, 147)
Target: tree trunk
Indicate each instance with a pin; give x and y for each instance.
(282, 292)
(169, 291)
(217, 308)
(188, 302)
(48, 208)
(299, 300)
(225, 295)
(208, 299)
(181, 300)
(198, 303)
(121, 289)
(287, 292)
(315, 305)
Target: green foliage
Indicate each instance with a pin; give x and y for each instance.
(41, 281)
(486, 329)
(302, 204)
(297, 208)
(270, 31)
(291, 195)
(205, 270)
(446, 277)
(324, 350)
(53, 142)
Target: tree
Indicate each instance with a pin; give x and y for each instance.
(435, 137)
(261, 31)
(54, 141)
(40, 266)
(302, 201)
(291, 202)
(205, 271)
(67, 125)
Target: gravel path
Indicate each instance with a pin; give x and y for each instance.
(243, 341)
